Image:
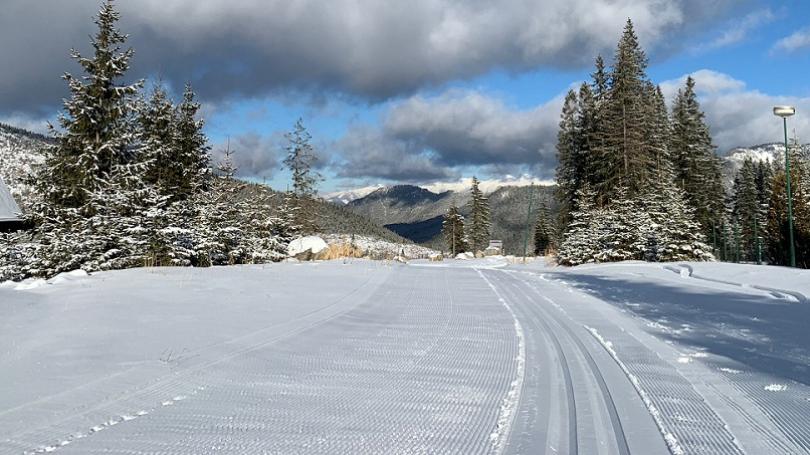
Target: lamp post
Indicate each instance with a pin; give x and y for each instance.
(785, 112)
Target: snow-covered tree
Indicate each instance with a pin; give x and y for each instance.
(227, 166)
(579, 244)
(191, 147)
(479, 225)
(453, 231)
(618, 229)
(697, 169)
(96, 126)
(156, 133)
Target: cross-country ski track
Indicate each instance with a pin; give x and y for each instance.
(459, 357)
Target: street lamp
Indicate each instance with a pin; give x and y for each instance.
(785, 112)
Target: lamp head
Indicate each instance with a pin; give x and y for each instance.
(784, 111)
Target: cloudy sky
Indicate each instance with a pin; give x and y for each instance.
(418, 91)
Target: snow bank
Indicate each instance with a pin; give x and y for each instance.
(311, 244)
(375, 248)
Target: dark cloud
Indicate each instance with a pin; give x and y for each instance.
(360, 48)
(421, 138)
(368, 152)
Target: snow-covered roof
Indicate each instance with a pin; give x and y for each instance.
(9, 210)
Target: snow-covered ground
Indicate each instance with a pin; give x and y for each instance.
(474, 356)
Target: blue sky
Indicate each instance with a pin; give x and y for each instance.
(432, 91)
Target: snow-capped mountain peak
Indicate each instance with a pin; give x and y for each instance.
(346, 196)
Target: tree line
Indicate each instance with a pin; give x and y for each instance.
(637, 180)
(128, 181)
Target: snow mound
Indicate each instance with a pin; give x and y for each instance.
(313, 244)
(776, 387)
(465, 256)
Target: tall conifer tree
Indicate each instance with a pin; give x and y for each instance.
(479, 226)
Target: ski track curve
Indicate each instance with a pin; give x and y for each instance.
(598, 427)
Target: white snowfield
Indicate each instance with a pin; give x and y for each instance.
(463, 357)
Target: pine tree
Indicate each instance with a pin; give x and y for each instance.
(96, 127)
(191, 147)
(156, 134)
(453, 231)
(479, 224)
(569, 166)
(778, 244)
(227, 167)
(542, 232)
(660, 137)
(300, 161)
(747, 209)
(672, 234)
(697, 168)
(589, 134)
(618, 228)
(579, 243)
(624, 156)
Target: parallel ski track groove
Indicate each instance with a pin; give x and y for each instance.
(607, 398)
(698, 428)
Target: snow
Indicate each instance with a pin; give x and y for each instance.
(347, 196)
(776, 387)
(311, 244)
(425, 357)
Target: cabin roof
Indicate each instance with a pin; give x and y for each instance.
(9, 210)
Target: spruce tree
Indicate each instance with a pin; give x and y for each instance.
(696, 166)
(778, 244)
(747, 209)
(227, 166)
(96, 128)
(479, 225)
(300, 161)
(569, 167)
(619, 229)
(579, 244)
(191, 147)
(453, 231)
(156, 131)
(624, 156)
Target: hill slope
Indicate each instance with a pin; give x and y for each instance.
(416, 213)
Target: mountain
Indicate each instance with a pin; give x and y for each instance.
(773, 152)
(20, 150)
(416, 213)
(405, 204)
(344, 197)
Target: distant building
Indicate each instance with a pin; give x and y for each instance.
(495, 248)
(9, 210)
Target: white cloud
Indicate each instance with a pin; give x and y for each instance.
(739, 116)
(432, 138)
(797, 41)
(708, 82)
